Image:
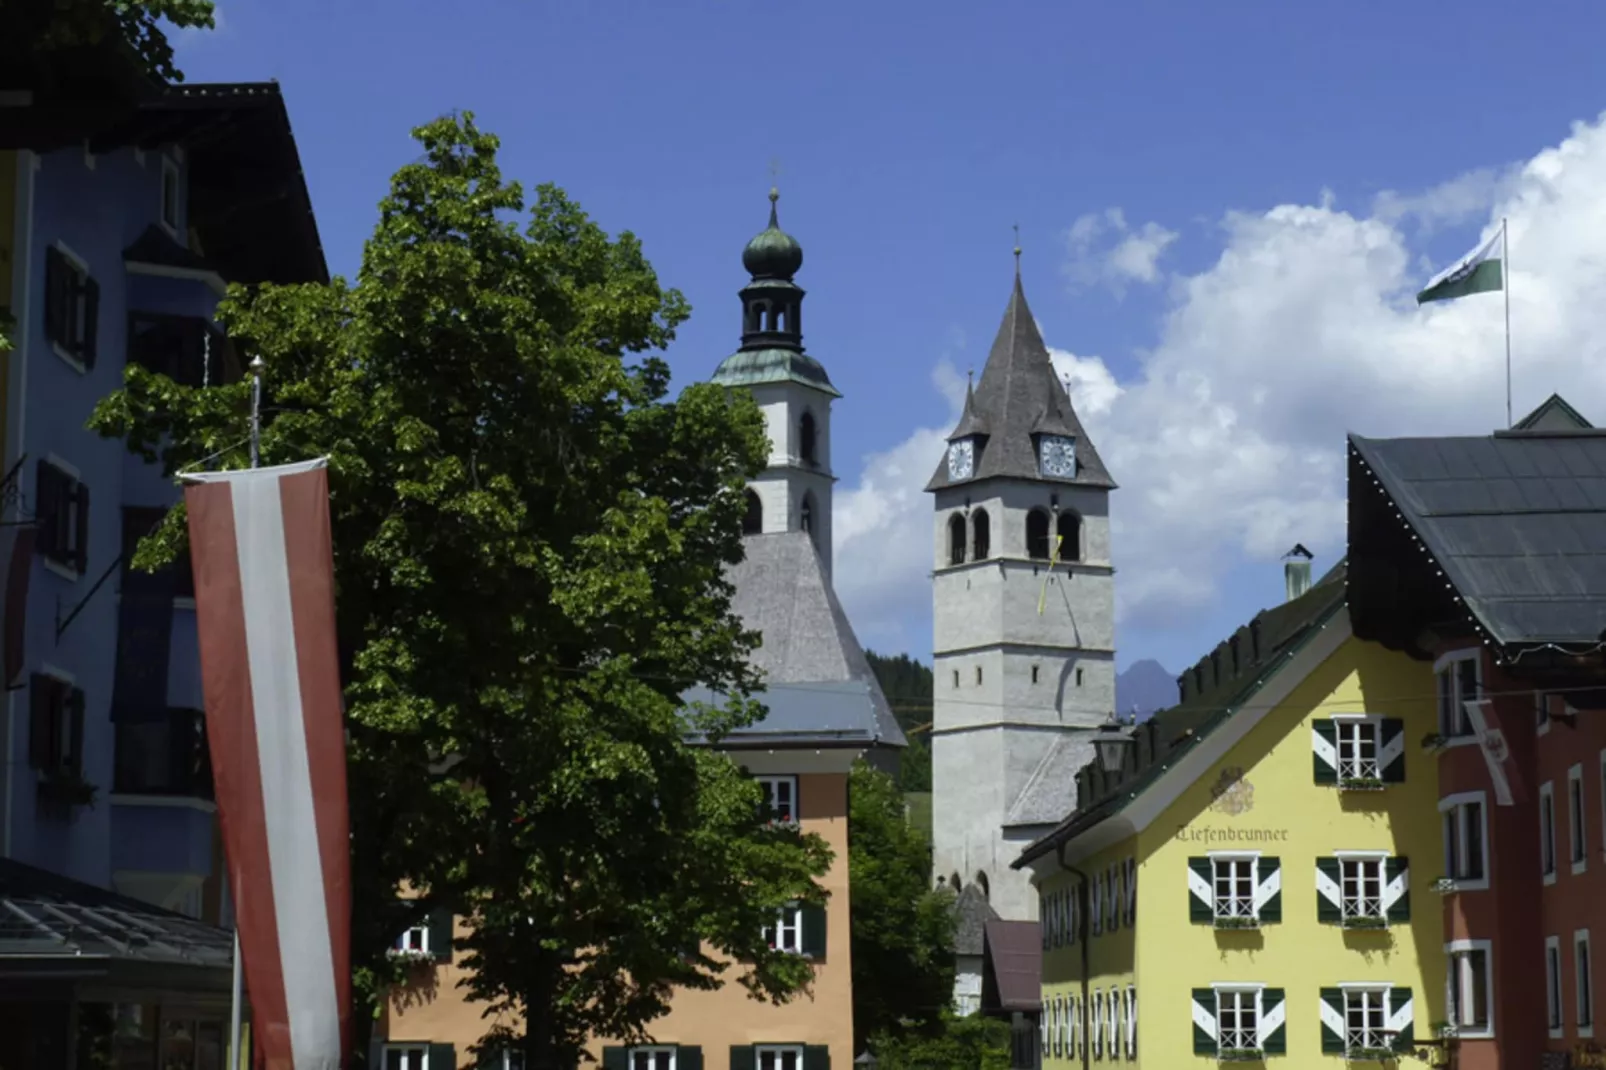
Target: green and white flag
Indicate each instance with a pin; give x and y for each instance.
(1481, 272)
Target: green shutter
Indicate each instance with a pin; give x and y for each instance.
(1324, 748)
(1397, 871)
(813, 930)
(815, 1057)
(743, 1057)
(442, 1057)
(688, 1057)
(1391, 750)
(1201, 899)
(1329, 891)
(1204, 1011)
(1333, 1021)
(1401, 1018)
(1273, 1021)
(1269, 889)
(440, 936)
(616, 1058)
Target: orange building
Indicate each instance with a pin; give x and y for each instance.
(826, 711)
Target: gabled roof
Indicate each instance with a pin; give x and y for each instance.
(1516, 520)
(1553, 414)
(819, 681)
(1019, 396)
(1284, 630)
(1012, 971)
(972, 913)
(1050, 792)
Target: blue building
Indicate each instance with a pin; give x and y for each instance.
(121, 222)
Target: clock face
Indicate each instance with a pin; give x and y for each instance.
(1057, 456)
(961, 459)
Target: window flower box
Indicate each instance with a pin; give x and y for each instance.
(1369, 1055)
(1360, 783)
(1434, 742)
(1365, 922)
(1445, 1030)
(1240, 1055)
(1237, 922)
(409, 956)
(1444, 886)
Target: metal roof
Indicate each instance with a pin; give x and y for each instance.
(1019, 397)
(1013, 972)
(44, 916)
(1516, 520)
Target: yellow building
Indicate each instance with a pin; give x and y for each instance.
(1246, 878)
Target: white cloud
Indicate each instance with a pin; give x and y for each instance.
(1229, 443)
(1134, 255)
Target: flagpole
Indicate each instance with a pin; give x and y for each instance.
(1505, 249)
(257, 367)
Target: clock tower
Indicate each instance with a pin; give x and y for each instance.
(1024, 591)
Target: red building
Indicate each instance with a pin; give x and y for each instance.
(1487, 556)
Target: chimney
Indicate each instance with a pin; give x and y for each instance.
(1296, 570)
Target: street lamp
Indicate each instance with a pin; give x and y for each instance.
(1112, 743)
(865, 1060)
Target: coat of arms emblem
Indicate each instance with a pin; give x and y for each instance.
(1232, 794)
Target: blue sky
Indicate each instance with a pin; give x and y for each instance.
(1224, 210)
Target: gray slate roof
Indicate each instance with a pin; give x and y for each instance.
(1019, 396)
(1050, 793)
(1517, 521)
(820, 686)
(973, 912)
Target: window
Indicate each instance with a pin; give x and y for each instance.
(1068, 526)
(806, 517)
(1366, 1016)
(415, 941)
(407, 1057)
(653, 1058)
(956, 540)
(1233, 882)
(175, 581)
(978, 676)
(1361, 886)
(1547, 831)
(61, 504)
(956, 677)
(1541, 713)
(806, 439)
(753, 517)
(1037, 535)
(72, 307)
(186, 349)
(1357, 749)
(1237, 1019)
(1096, 908)
(1584, 983)
(1097, 1025)
(1553, 985)
(787, 932)
(170, 195)
(55, 726)
(164, 755)
(1034, 674)
(775, 1057)
(1466, 840)
(1575, 817)
(981, 538)
(1471, 988)
(1458, 681)
(780, 797)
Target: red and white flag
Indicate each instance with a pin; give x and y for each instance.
(1503, 774)
(265, 607)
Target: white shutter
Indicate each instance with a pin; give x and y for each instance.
(1131, 891)
(1097, 907)
(1073, 899)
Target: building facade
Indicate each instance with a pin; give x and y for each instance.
(1484, 558)
(1024, 616)
(122, 227)
(1257, 874)
(825, 711)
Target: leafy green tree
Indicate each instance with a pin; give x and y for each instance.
(34, 32)
(903, 929)
(530, 542)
